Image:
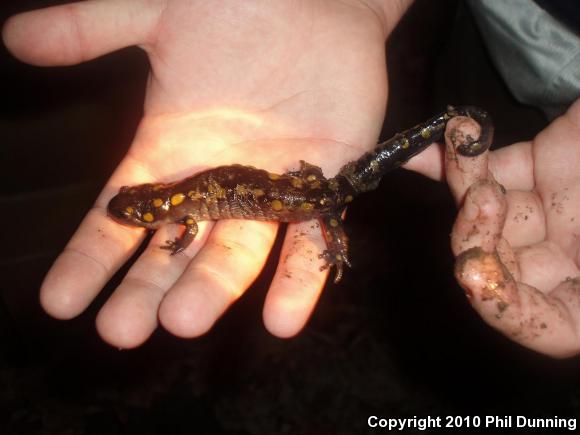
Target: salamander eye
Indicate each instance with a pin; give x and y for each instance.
(122, 209)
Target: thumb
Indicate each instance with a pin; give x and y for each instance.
(77, 32)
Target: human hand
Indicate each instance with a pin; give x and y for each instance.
(517, 233)
(254, 82)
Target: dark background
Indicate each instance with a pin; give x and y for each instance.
(396, 338)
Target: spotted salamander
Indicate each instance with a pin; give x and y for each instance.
(244, 192)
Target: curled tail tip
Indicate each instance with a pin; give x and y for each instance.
(472, 149)
(482, 117)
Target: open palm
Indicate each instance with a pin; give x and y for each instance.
(255, 82)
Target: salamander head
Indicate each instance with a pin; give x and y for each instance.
(139, 206)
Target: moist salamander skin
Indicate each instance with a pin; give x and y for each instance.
(245, 192)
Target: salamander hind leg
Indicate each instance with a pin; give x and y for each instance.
(336, 252)
(180, 243)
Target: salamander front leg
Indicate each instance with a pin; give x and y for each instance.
(336, 253)
(183, 241)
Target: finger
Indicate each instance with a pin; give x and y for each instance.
(231, 259)
(95, 252)
(562, 216)
(462, 171)
(430, 162)
(480, 224)
(513, 166)
(480, 220)
(76, 32)
(525, 223)
(557, 152)
(557, 159)
(298, 281)
(545, 265)
(526, 315)
(129, 316)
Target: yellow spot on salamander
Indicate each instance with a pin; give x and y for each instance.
(189, 221)
(148, 217)
(241, 190)
(273, 176)
(258, 193)
(311, 178)
(338, 257)
(177, 199)
(333, 223)
(297, 183)
(130, 210)
(348, 198)
(405, 143)
(425, 133)
(307, 206)
(277, 205)
(158, 202)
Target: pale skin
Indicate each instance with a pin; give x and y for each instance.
(517, 233)
(255, 82)
(260, 83)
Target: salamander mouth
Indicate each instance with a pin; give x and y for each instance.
(121, 216)
(124, 218)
